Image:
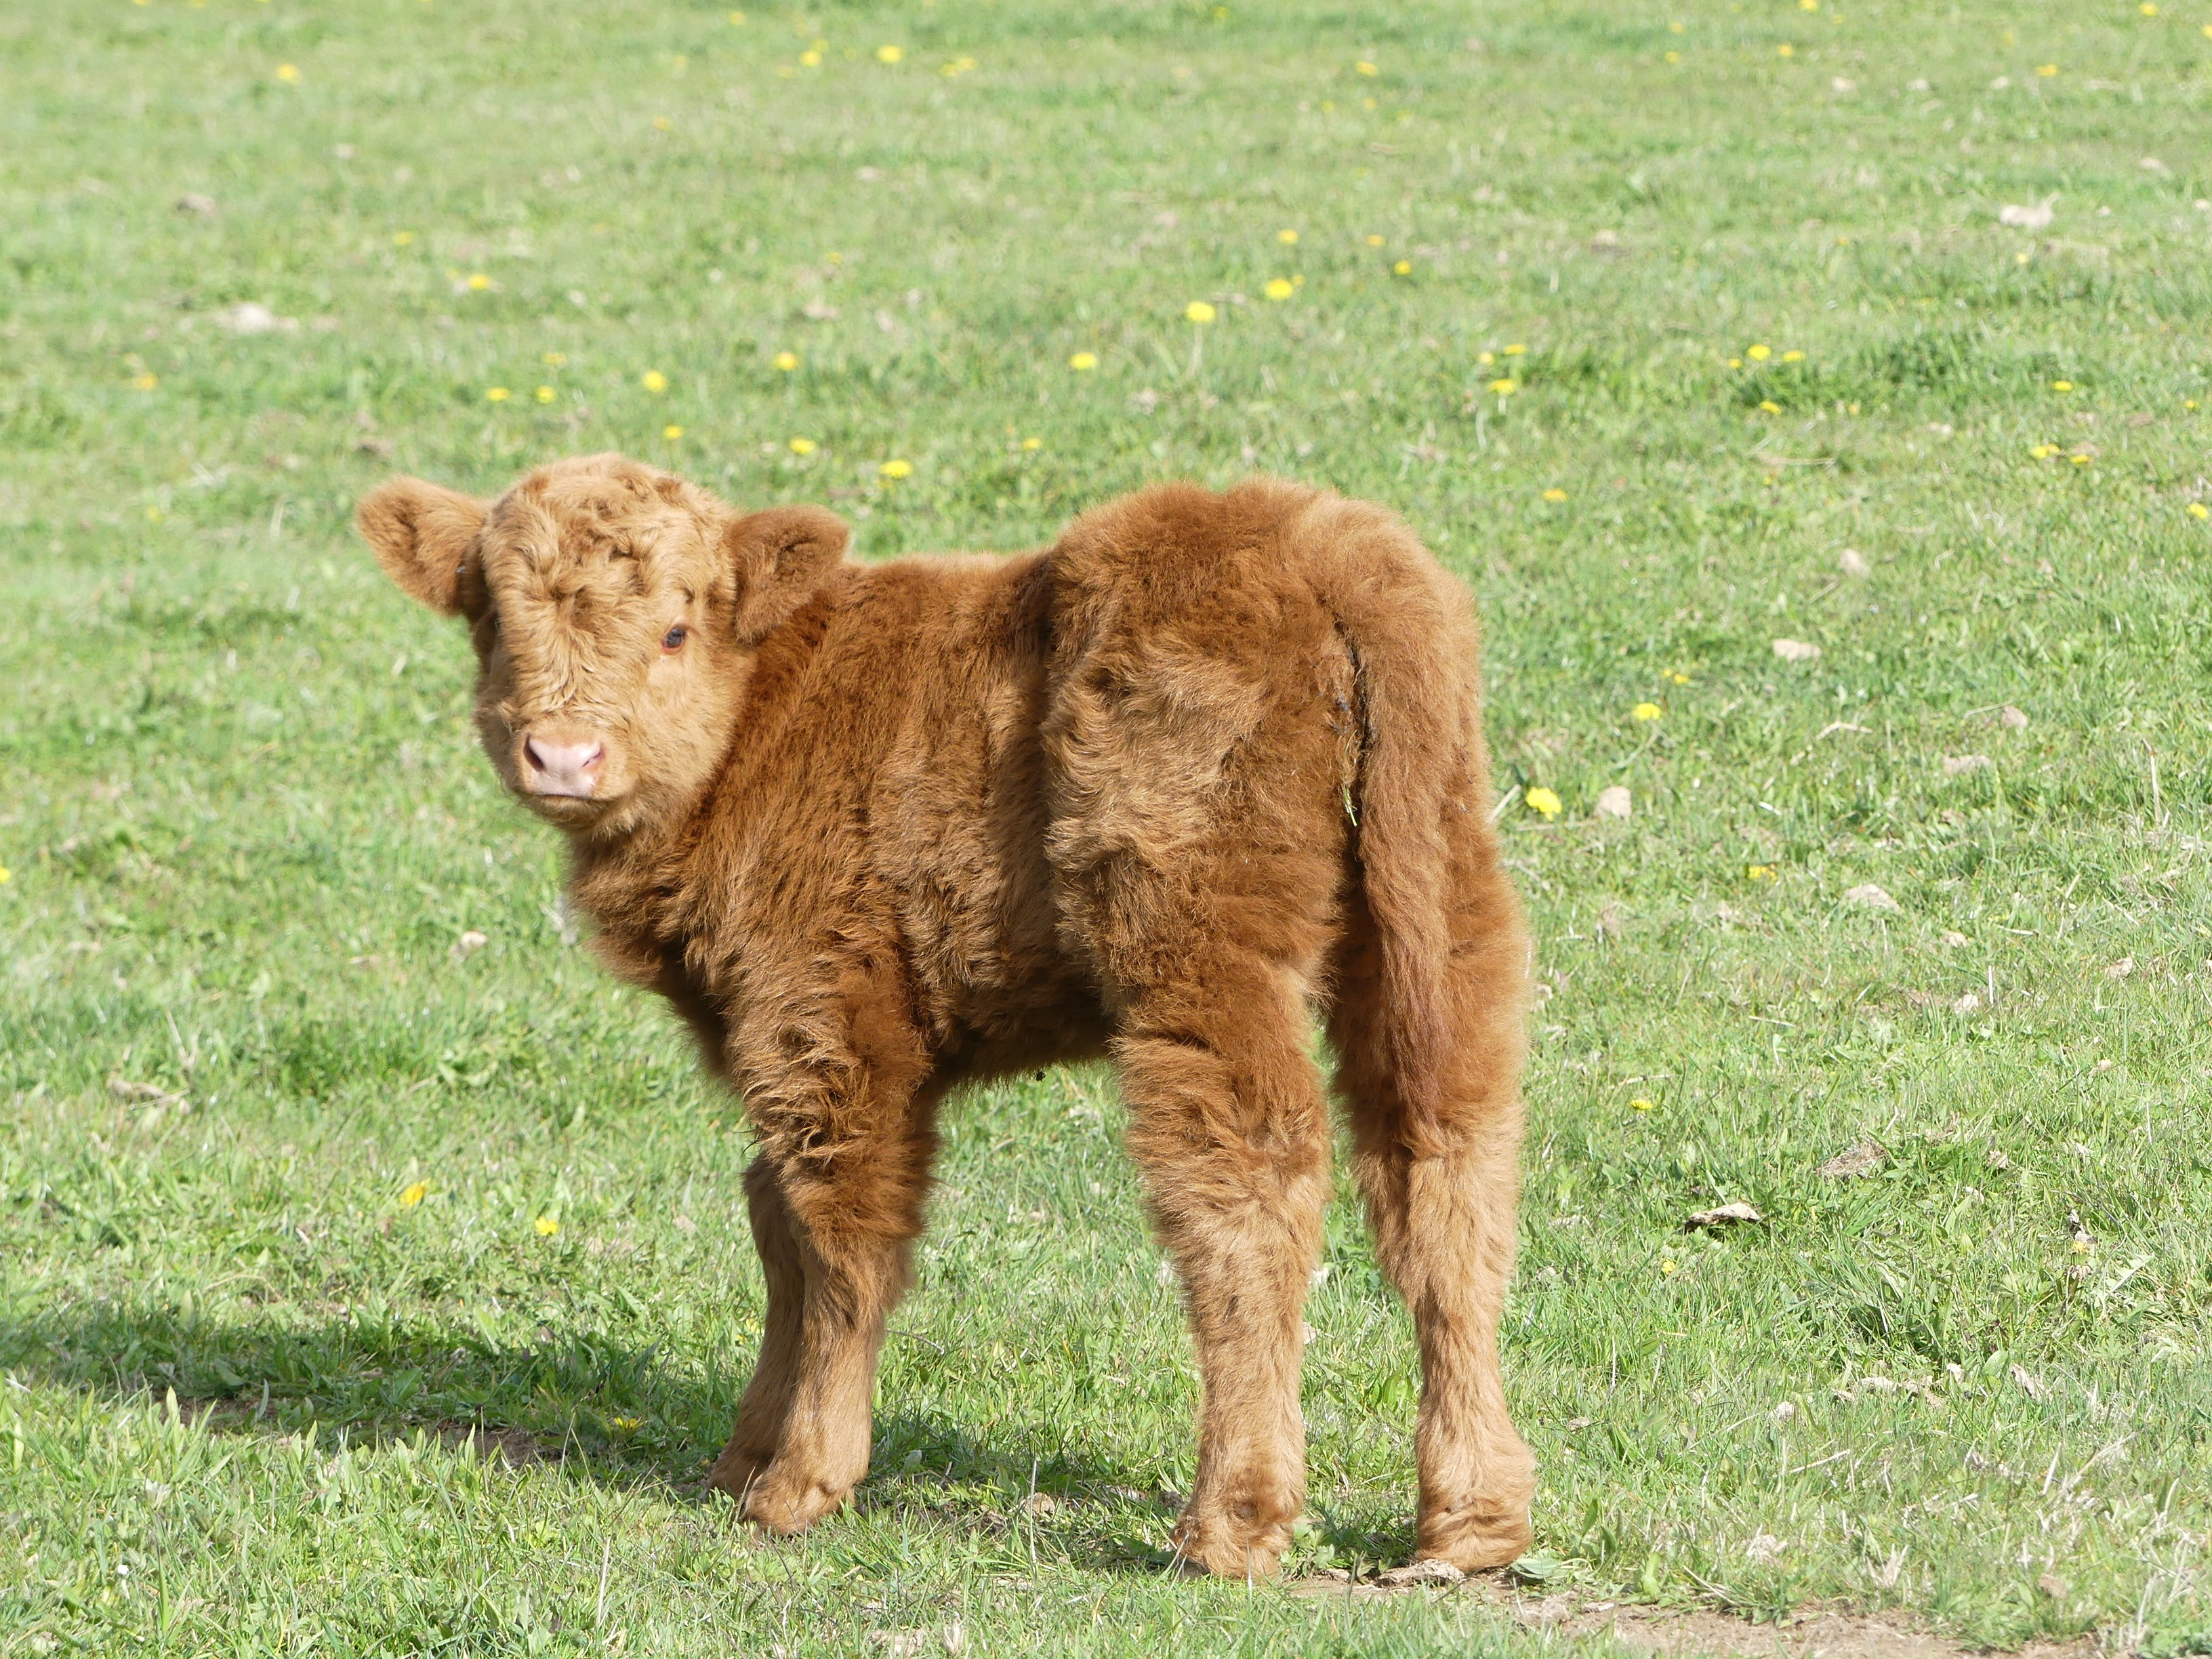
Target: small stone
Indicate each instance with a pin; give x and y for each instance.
(1615, 802)
(2027, 217)
(1853, 563)
(1420, 1572)
(1796, 650)
(1959, 765)
(2121, 969)
(249, 317)
(470, 943)
(2012, 719)
(1863, 1158)
(192, 202)
(1868, 897)
(1725, 1215)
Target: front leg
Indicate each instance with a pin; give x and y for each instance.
(835, 1199)
(767, 1403)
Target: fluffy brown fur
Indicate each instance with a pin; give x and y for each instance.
(1209, 764)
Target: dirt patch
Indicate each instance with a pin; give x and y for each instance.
(1811, 1634)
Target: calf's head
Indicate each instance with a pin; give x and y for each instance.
(616, 612)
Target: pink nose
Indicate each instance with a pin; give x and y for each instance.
(563, 768)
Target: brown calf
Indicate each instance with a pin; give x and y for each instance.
(1208, 763)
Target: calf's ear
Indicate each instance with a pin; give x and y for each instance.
(420, 533)
(780, 556)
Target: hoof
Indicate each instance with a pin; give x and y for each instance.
(786, 1502)
(1477, 1535)
(1228, 1545)
(736, 1472)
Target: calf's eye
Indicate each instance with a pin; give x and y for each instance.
(674, 638)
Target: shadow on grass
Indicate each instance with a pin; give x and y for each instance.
(585, 1404)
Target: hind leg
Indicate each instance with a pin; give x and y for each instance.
(1439, 1168)
(1227, 1121)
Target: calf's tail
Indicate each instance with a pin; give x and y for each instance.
(1420, 792)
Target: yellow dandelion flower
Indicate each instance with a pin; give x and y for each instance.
(1646, 711)
(1375, 241)
(1785, 50)
(547, 1226)
(545, 394)
(1404, 267)
(1667, 1269)
(6, 874)
(1642, 1105)
(625, 1423)
(1678, 677)
(2080, 1247)
(145, 382)
(890, 54)
(1366, 67)
(1032, 443)
(1678, 28)
(737, 20)
(1767, 405)
(153, 513)
(403, 239)
(1279, 288)
(2148, 9)
(2021, 258)
(1198, 312)
(662, 123)
(812, 58)
(1761, 872)
(1287, 238)
(654, 381)
(2044, 452)
(802, 446)
(2190, 403)
(2078, 460)
(1555, 494)
(2198, 510)
(496, 394)
(2207, 31)
(897, 470)
(478, 281)
(414, 1194)
(289, 73)
(1486, 358)
(1543, 801)
(1084, 361)
(787, 360)
(671, 432)
(1758, 354)
(1504, 386)
(1735, 362)
(1808, 5)
(1673, 57)
(2046, 70)
(1793, 356)
(2062, 386)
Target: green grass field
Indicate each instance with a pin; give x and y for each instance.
(1549, 269)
